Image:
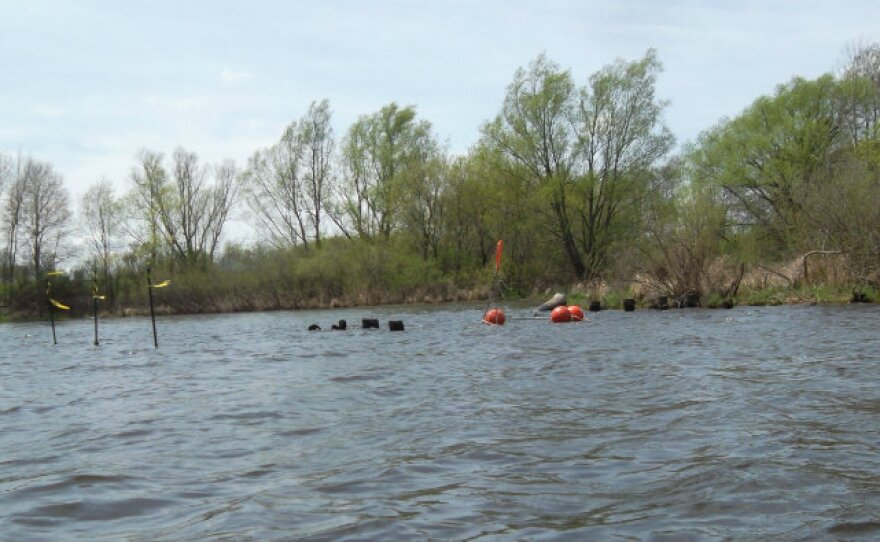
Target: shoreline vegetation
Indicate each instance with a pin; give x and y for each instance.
(224, 290)
(579, 176)
(610, 300)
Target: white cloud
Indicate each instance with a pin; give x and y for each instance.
(233, 78)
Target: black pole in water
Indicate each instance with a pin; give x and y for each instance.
(95, 304)
(95, 299)
(152, 310)
(51, 310)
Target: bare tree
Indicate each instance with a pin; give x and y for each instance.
(6, 177)
(101, 217)
(223, 197)
(5, 171)
(185, 211)
(12, 216)
(45, 214)
(275, 191)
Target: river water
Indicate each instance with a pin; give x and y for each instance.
(746, 424)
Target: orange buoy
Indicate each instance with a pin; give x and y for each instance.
(577, 313)
(560, 314)
(494, 316)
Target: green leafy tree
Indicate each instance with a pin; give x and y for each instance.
(379, 153)
(588, 153)
(770, 158)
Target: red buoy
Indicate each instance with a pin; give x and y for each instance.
(577, 313)
(560, 314)
(494, 316)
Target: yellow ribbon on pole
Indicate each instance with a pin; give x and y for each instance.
(162, 284)
(59, 304)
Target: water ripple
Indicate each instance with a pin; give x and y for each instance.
(749, 424)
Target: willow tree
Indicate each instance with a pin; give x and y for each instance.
(424, 200)
(772, 157)
(288, 184)
(379, 154)
(587, 152)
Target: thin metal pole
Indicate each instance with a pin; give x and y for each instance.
(152, 309)
(95, 303)
(51, 310)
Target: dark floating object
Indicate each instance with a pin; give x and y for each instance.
(341, 326)
(557, 300)
(629, 305)
(314, 327)
(661, 303)
(595, 306)
(370, 323)
(727, 304)
(395, 325)
(691, 300)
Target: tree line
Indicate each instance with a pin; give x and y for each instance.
(581, 180)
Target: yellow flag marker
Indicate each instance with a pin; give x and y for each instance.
(59, 305)
(162, 284)
(54, 273)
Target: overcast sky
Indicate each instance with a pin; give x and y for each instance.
(86, 84)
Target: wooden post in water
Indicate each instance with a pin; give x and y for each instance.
(152, 309)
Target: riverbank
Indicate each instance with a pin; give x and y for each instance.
(169, 302)
(755, 297)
